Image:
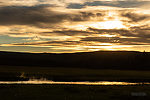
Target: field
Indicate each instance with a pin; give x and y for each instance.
(73, 92)
(71, 74)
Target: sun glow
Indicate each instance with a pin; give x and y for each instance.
(112, 25)
(107, 35)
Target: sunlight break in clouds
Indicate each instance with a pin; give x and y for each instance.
(74, 25)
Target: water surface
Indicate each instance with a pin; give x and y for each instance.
(39, 81)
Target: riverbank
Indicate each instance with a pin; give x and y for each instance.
(74, 92)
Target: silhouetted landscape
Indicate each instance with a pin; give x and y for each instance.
(129, 66)
(75, 49)
(122, 60)
(117, 66)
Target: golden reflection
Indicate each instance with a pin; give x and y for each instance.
(35, 81)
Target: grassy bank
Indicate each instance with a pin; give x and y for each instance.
(72, 74)
(73, 92)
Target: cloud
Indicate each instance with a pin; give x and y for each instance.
(93, 36)
(74, 24)
(30, 2)
(138, 31)
(110, 3)
(29, 15)
(69, 33)
(41, 16)
(135, 17)
(51, 43)
(118, 40)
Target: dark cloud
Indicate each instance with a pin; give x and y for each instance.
(140, 31)
(132, 32)
(51, 43)
(27, 15)
(134, 36)
(87, 41)
(118, 40)
(122, 4)
(84, 16)
(35, 15)
(110, 31)
(76, 6)
(101, 39)
(134, 17)
(68, 33)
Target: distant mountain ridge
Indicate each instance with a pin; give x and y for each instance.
(100, 59)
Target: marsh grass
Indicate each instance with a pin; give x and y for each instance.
(71, 74)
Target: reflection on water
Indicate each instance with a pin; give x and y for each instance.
(44, 81)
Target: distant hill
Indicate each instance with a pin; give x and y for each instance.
(100, 60)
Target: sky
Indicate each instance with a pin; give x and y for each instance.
(66, 26)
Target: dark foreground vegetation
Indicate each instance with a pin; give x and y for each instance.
(128, 60)
(73, 92)
(20, 73)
